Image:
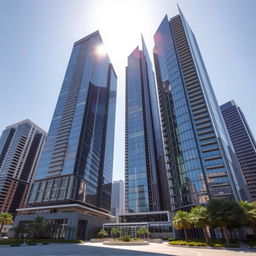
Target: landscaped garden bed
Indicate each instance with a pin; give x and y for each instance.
(131, 242)
(217, 213)
(199, 243)
(122, 238)
(100, 240)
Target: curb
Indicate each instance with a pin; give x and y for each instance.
(207, 247)
(126, 243)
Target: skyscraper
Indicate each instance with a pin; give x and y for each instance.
(144, 185)
(243, 142)
(75, 170)
(20, 147)
(199, 155)
(118, 198)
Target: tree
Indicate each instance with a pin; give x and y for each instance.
(5, 219)
(200, 219)
(142, 232)
(115, 232)
(181, 220)
(102, 233)
(38, 226)
(250, 211)
(226, 214)
(18, 231)
(251, 215)
(247, 206)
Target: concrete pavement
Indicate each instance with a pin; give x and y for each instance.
(98, 249)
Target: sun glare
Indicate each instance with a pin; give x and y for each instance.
(101, 50)
(121, 23)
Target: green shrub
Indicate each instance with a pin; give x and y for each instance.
(216, 244)
(232, 245)
(125, 238)
(136, 239)
(11, 241)
(221, 244)
(196, 244)
(102, 233)
(178, 242)
(188, 243)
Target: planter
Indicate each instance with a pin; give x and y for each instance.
(156, 240)
(136, 243)
(100, 240)
(203, 246)
(190, 246)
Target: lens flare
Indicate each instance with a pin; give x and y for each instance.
(101, 50)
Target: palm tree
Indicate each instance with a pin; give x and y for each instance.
(250, 210)
(200, 219)
(39, 226)
(142, 232)
(246, 205)
(181, 220)
(115, 232)
(102, 233)
(36, 228)
(5, 219)
(18, 231)
(226, 214)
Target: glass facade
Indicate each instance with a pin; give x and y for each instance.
(243, 142)
(157, 223)
(143, 136)
(77, 158)
(118, 198)
(200, 159)
(147, 217)
(55, 229)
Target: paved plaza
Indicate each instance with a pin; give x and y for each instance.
(95, 249)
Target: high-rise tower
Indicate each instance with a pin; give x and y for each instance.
(199, 155)
(144, 184)
(75, 170)
(20, 148)
(118, 198)
(243, 142)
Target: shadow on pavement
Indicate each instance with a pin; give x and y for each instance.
(94, 250)
(72, 250)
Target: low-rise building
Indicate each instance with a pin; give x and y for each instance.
(158, 224)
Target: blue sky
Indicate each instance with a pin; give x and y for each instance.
(37, 38)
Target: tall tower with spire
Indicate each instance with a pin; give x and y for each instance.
(144, 185)
(199, 155)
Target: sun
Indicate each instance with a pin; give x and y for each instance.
(100, 50)
(120, 23)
